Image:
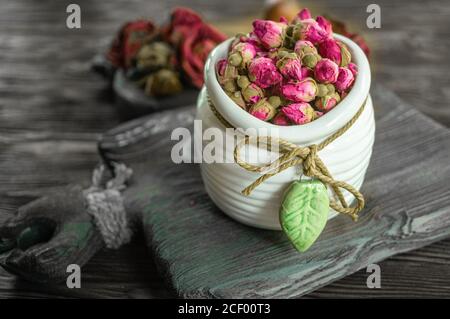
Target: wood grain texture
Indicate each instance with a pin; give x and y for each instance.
(205, 254)
(52, 110)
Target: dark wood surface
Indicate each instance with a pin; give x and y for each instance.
(52, 110)
(205, 254)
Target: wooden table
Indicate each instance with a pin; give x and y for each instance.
(52, 109)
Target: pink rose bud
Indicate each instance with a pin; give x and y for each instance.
(263, 72)
(281, 119)
(344, 80)
(262, 110)
(307, 72)
(241, 54)
(310, 30)
(326, 103)
(290, 67)
(299, 113)
(325, 24)
(354, 68)
(330, 49)
(270, 33)
(252, 93)
(303, 47)
(326, 71)
(221, 65)
(301, 91)
(304, 14)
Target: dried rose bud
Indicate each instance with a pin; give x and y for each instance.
(303, 47)
(317, 114)
(263, 72)
(322, 90)
(325, 24)
(346, 56)
(252, 93)
(310, 59)
(331, 89)
(281, 119)
(330, 49)
(230, 85)
(354, 68)
(241, 54)
(304, 14)
(307, 72)
(282, 52)
(220, 67)
(326, 71)
(299, 113)
(226, 72)
(309, 30)
(262, 110)
(231, 72)
(290, 66)
(275, 101)
(154, 56)
(344, 80)
(270, 33)
(325, 89)
(238, 99)
(130, 38)
(243, 81)
(301, 91)
(163, 83)
(327, 102)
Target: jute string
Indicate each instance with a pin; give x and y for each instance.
(292, 155)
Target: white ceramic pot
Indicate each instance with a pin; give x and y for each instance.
(347, 157)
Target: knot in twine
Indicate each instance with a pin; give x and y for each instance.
(105, 205)
(292, 155)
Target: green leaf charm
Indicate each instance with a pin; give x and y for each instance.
(304, 212)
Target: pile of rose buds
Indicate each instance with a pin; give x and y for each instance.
(165, 60)
(287, 74)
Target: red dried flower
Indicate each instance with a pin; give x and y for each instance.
(129, 40)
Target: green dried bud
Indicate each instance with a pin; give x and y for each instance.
(230, 85)
(330, 88)
(235, 59)
(275, 101)
(252, 93)
(282, 53)
(243, 81)
(346, 56)
(289, 42)
(238, 99)
(231, 72)
(163, 83)
(322, 90)
(310, 60)
(307, 49)
(290, 31)
(154, 56)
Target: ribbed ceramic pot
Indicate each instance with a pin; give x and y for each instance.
(347, 158)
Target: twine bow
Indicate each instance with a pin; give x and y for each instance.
(292, 155)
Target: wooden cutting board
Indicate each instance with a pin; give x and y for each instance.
(203, 253)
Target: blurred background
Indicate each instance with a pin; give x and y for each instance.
(53, 108)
